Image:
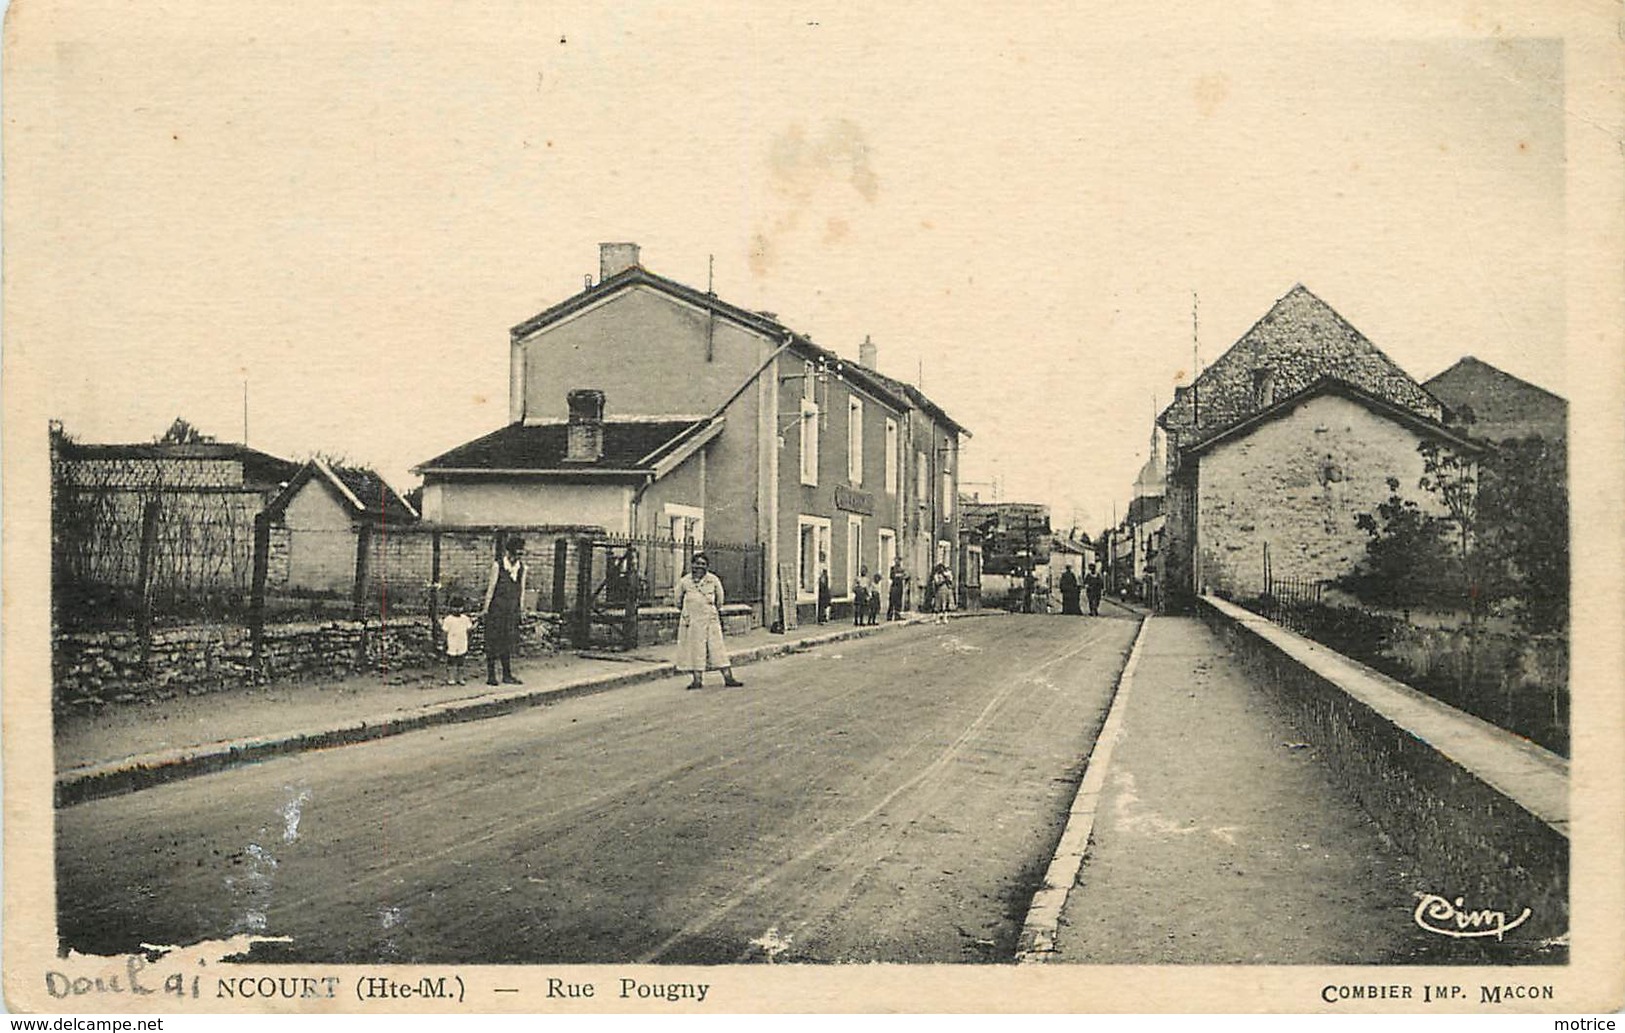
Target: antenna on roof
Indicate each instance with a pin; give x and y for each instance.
(1196, 362)
(711, 315)
(245, 409)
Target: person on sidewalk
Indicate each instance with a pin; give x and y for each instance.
(942, 592)
(899, 581)
(860, 597)
(1092, 587)
(455, 626)
(504, 600)
(874, 599)
(823, 597)
(699, 624)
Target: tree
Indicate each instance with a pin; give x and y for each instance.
(1409, 561)
(183, 433)
(1523, 507)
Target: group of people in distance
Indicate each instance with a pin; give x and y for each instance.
(1091, 586)
(866, 592)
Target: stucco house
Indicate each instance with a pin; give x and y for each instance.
(1285, 439)
(322, 520)
(647, 407)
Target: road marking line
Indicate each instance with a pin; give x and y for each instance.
(1038, 931)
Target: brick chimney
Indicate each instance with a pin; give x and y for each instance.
(615, 258)
(868, 354)
(584, 438)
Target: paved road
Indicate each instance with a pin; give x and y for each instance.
(890, 799)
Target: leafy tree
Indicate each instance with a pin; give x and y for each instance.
(1500, 542)
(1409, 560)
(1523, 506)
(183, 433)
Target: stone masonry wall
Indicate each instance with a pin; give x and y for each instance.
(1469, 838)
(1298, 483)
(95, 668)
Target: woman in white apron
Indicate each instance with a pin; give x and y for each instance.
(699, 624)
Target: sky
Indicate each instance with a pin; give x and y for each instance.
(348, 208)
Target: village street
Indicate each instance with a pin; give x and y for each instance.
(894, 798)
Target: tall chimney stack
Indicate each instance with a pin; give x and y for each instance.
(584, 436)
(615, 258)
(868, 354)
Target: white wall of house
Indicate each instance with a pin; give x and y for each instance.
(1298, 482)
(457, 503)
(321, 540)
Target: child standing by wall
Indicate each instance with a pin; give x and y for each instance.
(456, 625)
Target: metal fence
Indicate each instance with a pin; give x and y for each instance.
(661, 563)
(1287, 600)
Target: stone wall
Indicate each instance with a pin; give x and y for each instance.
(1485, 817)
(1298, 483)
(95, 668)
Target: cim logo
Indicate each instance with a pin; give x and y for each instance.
(1453, 918)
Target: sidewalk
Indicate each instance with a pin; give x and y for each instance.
(124, 748)
(1219, 838)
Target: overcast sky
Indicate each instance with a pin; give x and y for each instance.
(350, 209)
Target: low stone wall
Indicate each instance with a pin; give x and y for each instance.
(1483, 812)
(658, 624)
(95, 668)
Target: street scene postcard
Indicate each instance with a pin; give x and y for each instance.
(725, 508)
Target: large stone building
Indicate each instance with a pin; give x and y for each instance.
(646, 407)
(1280, 444)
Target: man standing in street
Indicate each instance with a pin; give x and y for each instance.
(1092, 587)
(894, 603)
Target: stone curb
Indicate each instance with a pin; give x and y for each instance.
(143, 771)
(1042, 924)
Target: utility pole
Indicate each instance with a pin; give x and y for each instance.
(1196, 365)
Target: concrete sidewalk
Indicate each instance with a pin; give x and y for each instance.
(1215, 836)
(125, 748)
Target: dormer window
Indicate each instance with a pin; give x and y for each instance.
(1263, 387)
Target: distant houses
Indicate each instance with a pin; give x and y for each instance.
(651, 409)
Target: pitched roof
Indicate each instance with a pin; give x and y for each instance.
(360, 490)
(1332, 385)
(1302, 339)
(915, 395)
(1457, 385)
(258, 467)
(632, 448)
(885, 388)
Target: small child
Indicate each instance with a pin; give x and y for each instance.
(860, 597)
(456, 625)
